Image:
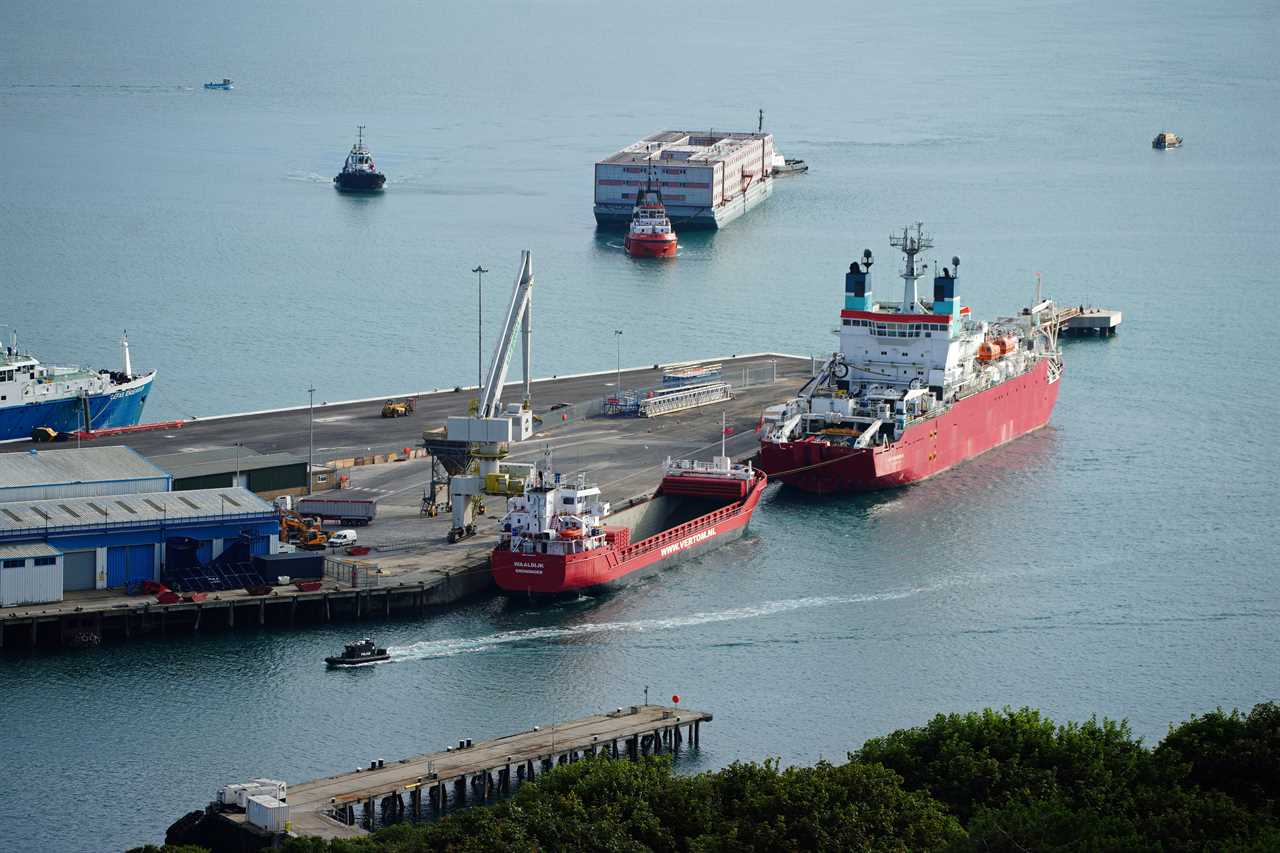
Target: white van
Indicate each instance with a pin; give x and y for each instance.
(342, 538)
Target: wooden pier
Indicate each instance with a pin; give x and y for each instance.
(425, 786)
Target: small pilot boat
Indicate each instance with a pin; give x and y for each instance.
(788, 166)
(225, 85)
(1164, 139)
(360, 653)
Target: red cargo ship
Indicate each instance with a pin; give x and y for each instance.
(917, 386)
(651, 234)
(561, 538)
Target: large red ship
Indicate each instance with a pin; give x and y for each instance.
(561, 538)
(917, 386)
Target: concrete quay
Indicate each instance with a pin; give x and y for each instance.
(350, 805)
(412, 567)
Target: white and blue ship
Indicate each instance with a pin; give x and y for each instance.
(35, 396)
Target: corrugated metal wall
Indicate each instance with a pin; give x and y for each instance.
(88, 489)
(31, 584)
(278, 479)
(206, 481)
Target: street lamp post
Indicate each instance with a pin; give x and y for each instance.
(617, 336)
(311, 437)
(479, 271)
(236, 481)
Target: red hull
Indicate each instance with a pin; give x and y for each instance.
(552, 574)
(659, 246)
(972, 426)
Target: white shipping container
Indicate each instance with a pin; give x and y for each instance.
(227, 794)
(269, 813)
(280, 788)
(251, 790)
(29, 583)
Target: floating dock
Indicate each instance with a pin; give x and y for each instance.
(707, 178)
(352, 804)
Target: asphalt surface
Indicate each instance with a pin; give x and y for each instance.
(357, 429)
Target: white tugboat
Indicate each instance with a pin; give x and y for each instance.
(359, 174)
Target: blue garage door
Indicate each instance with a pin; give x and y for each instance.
(204, 552)
(128, 564)
(260, 546)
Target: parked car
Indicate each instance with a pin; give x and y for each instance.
(342, 538)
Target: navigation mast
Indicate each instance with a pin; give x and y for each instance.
(911, 246)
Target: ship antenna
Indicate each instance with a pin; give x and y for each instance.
(360, 135)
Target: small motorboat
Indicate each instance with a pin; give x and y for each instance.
(785, 166)
(358, 174)
(651, 234)
(360, 653)
(1164, 139)
(225, 85)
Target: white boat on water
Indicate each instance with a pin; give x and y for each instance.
(783, 166)
(225, 84)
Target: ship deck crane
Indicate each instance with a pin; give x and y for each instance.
(475, 445)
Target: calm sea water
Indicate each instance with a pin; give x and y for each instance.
(1120, 562)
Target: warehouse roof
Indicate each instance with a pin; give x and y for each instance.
(75, 465)
(222, 460)
(27, 549)
(171, 507)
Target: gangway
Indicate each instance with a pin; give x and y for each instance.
(688, 397)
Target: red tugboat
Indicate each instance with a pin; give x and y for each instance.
(651, 234)
(917, 386)
(560, 538)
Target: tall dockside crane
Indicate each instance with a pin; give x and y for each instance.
(475, 445)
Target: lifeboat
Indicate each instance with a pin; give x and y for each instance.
(989, 350)
(1008, 344)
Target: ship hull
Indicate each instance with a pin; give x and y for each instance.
(538, 575)
(972, 426)
(359, 182)
(645, 247)
(120, 407)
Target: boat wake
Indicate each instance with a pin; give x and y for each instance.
(428, 649)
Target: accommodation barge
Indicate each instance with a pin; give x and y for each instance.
(707, 178)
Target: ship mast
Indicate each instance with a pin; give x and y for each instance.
(911, 246)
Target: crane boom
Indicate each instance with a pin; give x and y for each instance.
(518, 317)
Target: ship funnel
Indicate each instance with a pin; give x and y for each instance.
(857, 289)
(126, 364)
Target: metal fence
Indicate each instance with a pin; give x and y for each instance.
(352, 573)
